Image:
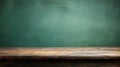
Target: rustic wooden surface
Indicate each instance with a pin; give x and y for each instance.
(63, 53)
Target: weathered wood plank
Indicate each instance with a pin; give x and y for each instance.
(64, 53)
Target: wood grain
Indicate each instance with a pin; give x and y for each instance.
(61, 53)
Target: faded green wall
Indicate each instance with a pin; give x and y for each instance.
(48, 23)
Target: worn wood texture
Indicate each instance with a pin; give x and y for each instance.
(61, 53)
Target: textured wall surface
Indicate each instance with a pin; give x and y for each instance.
(46, 23)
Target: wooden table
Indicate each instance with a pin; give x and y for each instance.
(60, 57)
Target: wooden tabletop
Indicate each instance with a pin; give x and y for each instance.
(60, 53)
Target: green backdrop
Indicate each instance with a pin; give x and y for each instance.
(59, 23)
